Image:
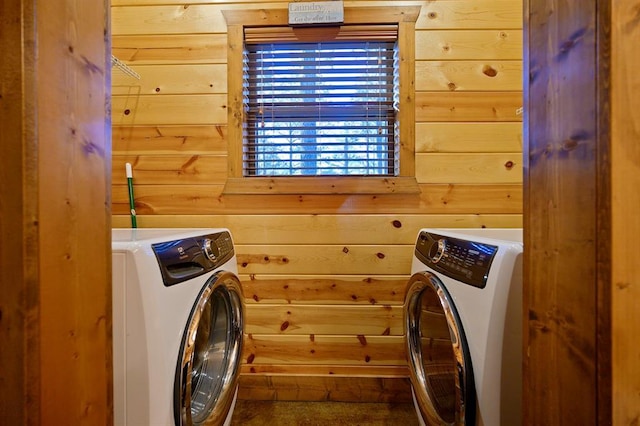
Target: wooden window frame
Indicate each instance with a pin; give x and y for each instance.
(405, 17)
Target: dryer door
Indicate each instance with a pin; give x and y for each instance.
(439, 358)
(210, 354)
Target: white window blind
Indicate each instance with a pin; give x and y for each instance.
(321, 107)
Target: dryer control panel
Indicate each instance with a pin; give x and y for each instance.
(463, 260)
(187, 258)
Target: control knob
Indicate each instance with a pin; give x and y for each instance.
(437, 249)
(210, 249)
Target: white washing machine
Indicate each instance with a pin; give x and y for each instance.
(177, 326)
(463, 319)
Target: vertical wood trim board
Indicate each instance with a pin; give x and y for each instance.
(561, 220)
(55, 312)
(19, 298)
(625, 180)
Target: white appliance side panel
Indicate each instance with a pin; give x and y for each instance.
(119, 266)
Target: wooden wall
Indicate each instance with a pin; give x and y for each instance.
(582, 173)
(625, 198)
(324, 275)
(55, 217)
(561, 222)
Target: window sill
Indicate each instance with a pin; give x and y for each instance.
(321, 185)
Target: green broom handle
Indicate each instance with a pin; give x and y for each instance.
(132, 204)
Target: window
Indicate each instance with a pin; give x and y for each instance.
(324, 108)
(321, 109)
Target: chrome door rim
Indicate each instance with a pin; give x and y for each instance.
(226, 286)
(465, 398)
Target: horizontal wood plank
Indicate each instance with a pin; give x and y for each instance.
(136, 109)
(320, 319)
(323, 290)
(468, 106)
(323, 229)
(335, 350)
(480, 137)
(161, 139)
(362, 384)
(259, 372)
(169, 19)
(335, 259)
(171, 79)
(446, 45)
(170, 169)
(208, 199)
(449, 76)
(453, 14)
(488, 168)
(170, 49)
(322, 185)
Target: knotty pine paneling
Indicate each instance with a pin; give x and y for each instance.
(469, 167)
(161, 139)
(186, 109)
(171, 49)
(469, 14)
(324, 319)
(325, 229)
(170, 169)
(562, 220)
(356, 350)
(468, 106)
(170, 80)
(208, 199)
(323, 275)
(55, 287)
(452, 76)
(464, 45)
(477, 137)
(323, 290)
(625, 181)
(335, 259)
(329, 385)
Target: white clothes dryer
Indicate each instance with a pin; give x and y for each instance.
(177, 326)
(463, 323)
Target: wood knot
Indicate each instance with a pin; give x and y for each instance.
(380, 255)
(569, 144)
(396, 224)
(489, 71)
(432, 15)
(508, 165)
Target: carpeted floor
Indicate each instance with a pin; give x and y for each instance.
(284, 413)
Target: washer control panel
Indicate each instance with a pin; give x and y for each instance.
(463, 260)
(187, 258)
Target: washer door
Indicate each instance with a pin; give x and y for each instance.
(210, 354)
(439, 359)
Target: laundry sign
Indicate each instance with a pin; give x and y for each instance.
(316, 12)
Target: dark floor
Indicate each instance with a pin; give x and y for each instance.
(284, 413)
